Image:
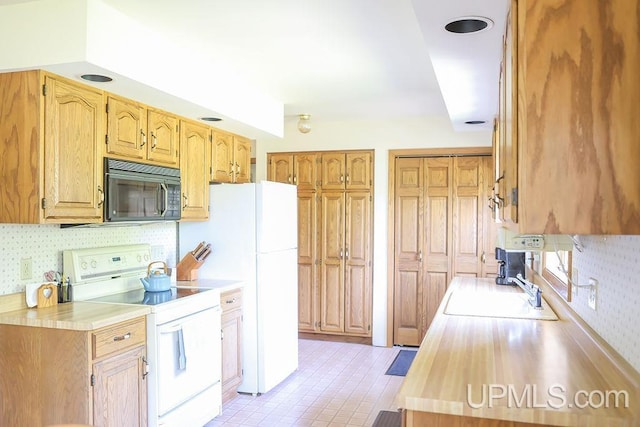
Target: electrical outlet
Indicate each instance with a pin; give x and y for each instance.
(25, 269)
(574, 282)
(593, 292)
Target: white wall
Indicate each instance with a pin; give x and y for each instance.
(381, 135)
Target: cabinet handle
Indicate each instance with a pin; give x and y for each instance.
(186, 200)
(347, 178)
(341, 253)
(101, 197)
(230, 301)
(289, 179)
(154, 139)
(143, 138)
(346, 253)
(231, 170)
(483, 258)
(420, 255)
(237, 169)
(492, 203)
(295, 179)
(145, 370)
(123, 337)
(341, 178)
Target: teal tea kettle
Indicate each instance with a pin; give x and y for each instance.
(157, 281)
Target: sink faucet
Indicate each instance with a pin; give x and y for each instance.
(531, 289)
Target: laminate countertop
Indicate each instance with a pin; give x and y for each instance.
(516, 371)
(223, 285)
(79, 316)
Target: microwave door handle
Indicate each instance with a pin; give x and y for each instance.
(165, 199)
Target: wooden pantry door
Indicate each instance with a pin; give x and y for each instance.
(438, 205)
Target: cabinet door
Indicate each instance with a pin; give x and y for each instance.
(126, 128)
(489, 226)
(332, 267)
(510, 145)
(241, 159)
(307, 247)
(162, 146)
(194, 170)
(120, 393)
(358, 171)
(333, 171)
(467, 205)
(222, 157)
(231, 353)
(306, 171)
(408, 327)
(73, 125)
(357, 262)
(281, 168)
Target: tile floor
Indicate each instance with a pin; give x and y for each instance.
(336, 384)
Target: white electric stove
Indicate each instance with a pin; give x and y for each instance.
(183, 331)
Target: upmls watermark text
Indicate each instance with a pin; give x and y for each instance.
(527, 396)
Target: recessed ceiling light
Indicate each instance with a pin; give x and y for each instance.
(98, 78)
(475, 122)
(211, 119)
(469, 24)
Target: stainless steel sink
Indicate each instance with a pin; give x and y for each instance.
(514, 305)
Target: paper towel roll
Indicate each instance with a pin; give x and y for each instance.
(31, 294)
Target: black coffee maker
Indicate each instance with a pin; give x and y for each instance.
(510, 265)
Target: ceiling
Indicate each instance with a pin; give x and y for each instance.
(343, 59)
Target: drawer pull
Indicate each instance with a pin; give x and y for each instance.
(230, 301)
(123, 337)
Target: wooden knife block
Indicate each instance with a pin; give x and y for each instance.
(187, 268)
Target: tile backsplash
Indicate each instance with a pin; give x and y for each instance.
(614, 261)
(44, 245)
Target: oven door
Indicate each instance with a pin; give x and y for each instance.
(188, 358)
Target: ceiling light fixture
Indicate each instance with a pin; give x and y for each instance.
(304, 125)
(97, 78)
(211, 119)
(469, 24)
(475, 122)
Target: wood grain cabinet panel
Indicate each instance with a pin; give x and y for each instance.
(307, 257)
(300, 169)
(140, 133)
(569, 109)
(50, 134)
(230, 158)
(195, 146)
(440, 214)
(231, 302)
(52, 378)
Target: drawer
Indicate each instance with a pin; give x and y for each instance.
(119, 337)
(231, 300)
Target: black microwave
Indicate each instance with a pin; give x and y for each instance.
(140, 192)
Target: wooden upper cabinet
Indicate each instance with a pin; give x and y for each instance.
(126, 128)
(162, 145)
(299, 169)
(51, 169)
(195, 140)
(280, 168)
(230, 158)
(242, 159)
(350, 171)
(136, 132)
(577, 86)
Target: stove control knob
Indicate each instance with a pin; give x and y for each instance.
(83, 265)
(139, 258)
(94, 264)
(146, 257)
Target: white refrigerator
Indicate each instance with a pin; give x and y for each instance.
(253, 231)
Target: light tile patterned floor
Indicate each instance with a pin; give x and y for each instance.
(336, 384)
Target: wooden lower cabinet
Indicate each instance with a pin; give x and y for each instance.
(58, 376)
(307, 259)
(231, 302)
